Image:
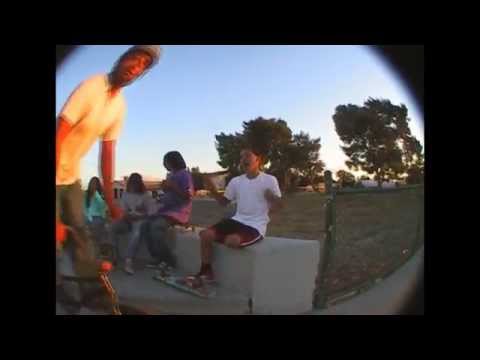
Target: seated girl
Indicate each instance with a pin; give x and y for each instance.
(175, 208)
(136, 204)
(95, 210)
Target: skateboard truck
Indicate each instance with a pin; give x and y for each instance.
(102, 277)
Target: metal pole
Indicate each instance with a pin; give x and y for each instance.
(326, 251)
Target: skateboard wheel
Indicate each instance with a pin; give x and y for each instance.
(105, 266)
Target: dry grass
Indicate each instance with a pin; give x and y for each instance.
(376, 233)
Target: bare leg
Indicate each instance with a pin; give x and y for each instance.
(233, 241)
(206, 244)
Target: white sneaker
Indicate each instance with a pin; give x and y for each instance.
(165, 267)
(129, 267)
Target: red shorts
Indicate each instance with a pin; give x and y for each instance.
(248, 234)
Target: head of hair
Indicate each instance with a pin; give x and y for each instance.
(135, 184)
(154, 57)
(257, 152)
(174, 160)
(93, 184)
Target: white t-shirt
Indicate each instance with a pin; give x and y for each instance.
(252, 207)
(93, 114)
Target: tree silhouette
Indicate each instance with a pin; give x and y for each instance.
(286, 156)
(377, 138)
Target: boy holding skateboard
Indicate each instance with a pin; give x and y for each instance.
(95, 109)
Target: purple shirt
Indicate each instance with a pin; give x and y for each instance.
(173, 205)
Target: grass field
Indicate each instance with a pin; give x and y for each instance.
(376, 233)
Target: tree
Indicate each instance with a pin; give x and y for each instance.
(288, 157)
(414, 160)
(377, 138)
(268, 136)
(345, 178)
(297, 159)
(415, 172)
(307, 156)
(228, 148)
(303, 181)
(415, 175)
(313, 173)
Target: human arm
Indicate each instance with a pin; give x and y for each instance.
(107, 167)
(182, 191)
(221, 199)
(107, 159)
(273, 196)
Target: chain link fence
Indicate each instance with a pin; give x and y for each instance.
(369, 233)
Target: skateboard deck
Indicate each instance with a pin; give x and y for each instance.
(187, 284)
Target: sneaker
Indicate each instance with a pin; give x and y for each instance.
(194, 282)
(152, 265)
(159, 275)
(165, 267)
(129, 267)
(206, 276)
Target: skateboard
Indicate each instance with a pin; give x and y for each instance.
(189, 284)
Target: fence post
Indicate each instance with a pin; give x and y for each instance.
(420, 196)
(320, 298)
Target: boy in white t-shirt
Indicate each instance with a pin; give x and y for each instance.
(94, 110)
(256, 194)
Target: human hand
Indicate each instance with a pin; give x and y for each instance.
(60, 233)
(166, 184)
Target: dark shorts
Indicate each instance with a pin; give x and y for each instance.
(248, 234)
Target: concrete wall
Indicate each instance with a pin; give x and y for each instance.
(278, 274)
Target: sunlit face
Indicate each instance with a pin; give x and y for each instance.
(249, 161)
(132, 66)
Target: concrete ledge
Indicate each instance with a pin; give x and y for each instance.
(277, 274)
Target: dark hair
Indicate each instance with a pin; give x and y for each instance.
(175, 160)
(256, 152)
(93, 180)
(135, 184)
